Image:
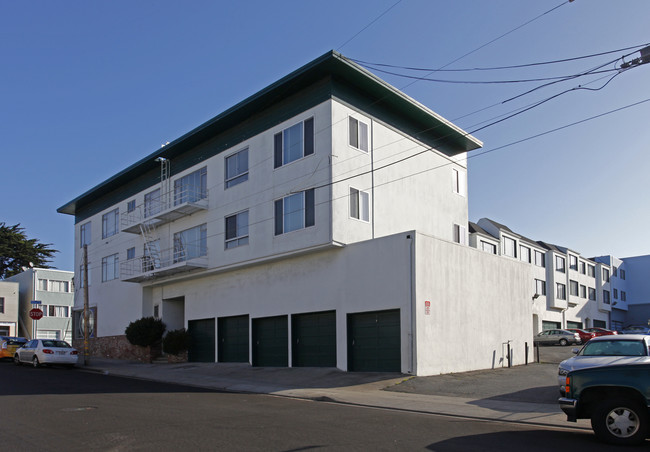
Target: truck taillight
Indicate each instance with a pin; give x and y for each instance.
(567, 386)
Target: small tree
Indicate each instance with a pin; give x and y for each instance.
(145, 332)
(176, 342)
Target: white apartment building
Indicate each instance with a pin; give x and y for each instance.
(320, 222)
(52, 292)
(8, 308)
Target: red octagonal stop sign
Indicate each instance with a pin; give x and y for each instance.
(35, 314)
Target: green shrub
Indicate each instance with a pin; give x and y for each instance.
(145, 332)
(176, 342)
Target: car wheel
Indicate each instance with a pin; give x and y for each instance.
(621, 421)
(563, 342)
(35, 362)
(17, 360)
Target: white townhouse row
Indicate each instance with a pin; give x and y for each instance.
(320, 222)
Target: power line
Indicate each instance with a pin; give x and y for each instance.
(364, 28)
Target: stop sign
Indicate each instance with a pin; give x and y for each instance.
(35, 314)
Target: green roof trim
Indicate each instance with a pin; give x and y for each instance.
(329, 76)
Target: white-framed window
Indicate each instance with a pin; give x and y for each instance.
(614, 271)
(606, 299)
(615, 294)
(622, 273)
(236, 167)
(540, 259)
(583, 291)
(509, 247)
(191, 187)
(42, 284)
(488, 247)
(606, 275)
(84, 234)
(293, 143)
(583, 268)
(57, 311)
(237, 230)
(540, 287)
(191, 243)
(560, 291)
(623, 296)
(524, 253)
(59, 286)
(295, 212)
(460, 234)
(592, 293)
(573, 262)
(458, 182)
(358, 133)
(560, 264)
(2, 305)
(110, 267)
(110, 225)
(152, 203)
(130, 206)
(573, 288)
(359, 204)
(591, 270)
(130, 253)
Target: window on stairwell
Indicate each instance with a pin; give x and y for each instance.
(130, 206)
(191, 243)
(130, 253)
(192, 187)
(152, 203)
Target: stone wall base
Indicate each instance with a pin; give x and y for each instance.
(117, 347)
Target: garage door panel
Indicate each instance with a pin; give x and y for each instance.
(374, 341)
(202, 347)
(314, 339)
(234, 342)
(271, 342)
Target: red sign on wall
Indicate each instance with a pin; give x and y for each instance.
(427, 307)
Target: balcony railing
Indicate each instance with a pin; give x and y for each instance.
(163, 263)
(165, 208)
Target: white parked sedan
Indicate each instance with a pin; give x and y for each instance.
(607, 351)
(46, 351)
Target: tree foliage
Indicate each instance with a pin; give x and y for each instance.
(145, 332)
(17, 251)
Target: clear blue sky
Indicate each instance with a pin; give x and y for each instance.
(88, 88)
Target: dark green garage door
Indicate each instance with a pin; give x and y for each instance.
(271, 341)
(374, 341)
(202, 347)
(313, 338)
(233, 339)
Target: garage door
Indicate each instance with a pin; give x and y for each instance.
(271, 341)
(313, 339)
(374, 341)
(233, 339)
(203, 338)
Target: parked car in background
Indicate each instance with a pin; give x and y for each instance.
(46, 351)
(600, 331)
(9, 344)
(606, 351)
(552, 337)
(584, 335)
(635, 329)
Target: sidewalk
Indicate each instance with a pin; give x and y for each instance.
(482, 395)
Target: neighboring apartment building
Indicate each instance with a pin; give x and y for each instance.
(52, 292)
(320, 222)
(8, 308)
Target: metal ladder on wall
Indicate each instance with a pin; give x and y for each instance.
(151, 260)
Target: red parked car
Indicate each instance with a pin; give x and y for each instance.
(584, 335)
(600, 331)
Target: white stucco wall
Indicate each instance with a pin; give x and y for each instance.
(9, 318)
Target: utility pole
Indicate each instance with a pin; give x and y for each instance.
(86, 310)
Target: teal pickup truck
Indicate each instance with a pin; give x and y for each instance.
(615, 398)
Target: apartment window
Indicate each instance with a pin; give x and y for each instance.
(237, 168)
(488, 247)
(458, 182)
(57, 311)
(540, 259)
(2, 305)
(294, 212)
(237, 230)
(560, 263)
(615, 294)
(583, 268)
(81, 276)
(84, 235)
(614, 271)
(540, 287)
(592, 293)
(573, 288)
(192, 187)
(622, 274)
(152, 203)
(191, 243)
(42, 284)
(606, 275)
(583, 291)
(59, 286)
(606, 299)
(591, 271)
(524, 253)
(359, 204)
(561, 291)
(130, 253)
(509, 247)
(623, 296)
(293, 143)
(460, 234)
(573, 262)
(110, 267)
(109, 223)
(358, 134)
(130, 206)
